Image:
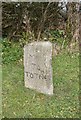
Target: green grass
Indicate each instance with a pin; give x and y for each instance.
(19, 102)
(0, 81)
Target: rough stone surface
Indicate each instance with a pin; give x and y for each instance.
(38, 66)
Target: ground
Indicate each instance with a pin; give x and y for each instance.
(19, 102)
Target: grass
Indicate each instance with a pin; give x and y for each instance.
(0, 82)
(20, 102)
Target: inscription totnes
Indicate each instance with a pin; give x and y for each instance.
(35, 75)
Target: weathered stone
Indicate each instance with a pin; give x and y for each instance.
(38, 66)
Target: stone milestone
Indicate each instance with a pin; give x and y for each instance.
(38, 67)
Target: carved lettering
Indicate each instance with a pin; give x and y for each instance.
(44, 76)
(27, 74)
(35, 75)
(31, 75)
(40, 76)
